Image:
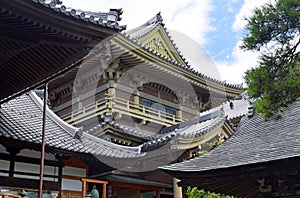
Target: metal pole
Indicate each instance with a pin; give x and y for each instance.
(43, 140)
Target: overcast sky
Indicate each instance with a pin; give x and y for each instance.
(215, 26)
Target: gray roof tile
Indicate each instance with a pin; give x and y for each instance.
(187, 130)
(106, 20)
(144, 135)
(255, 141)
(239, 107)
(21, 119)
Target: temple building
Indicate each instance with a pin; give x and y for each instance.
(140, 80)
(121, 103)
(136, 89)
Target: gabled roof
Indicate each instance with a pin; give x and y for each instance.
(154, 31)
(256, 141)
(21, 119)
(141, 35)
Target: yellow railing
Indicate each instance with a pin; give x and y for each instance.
(123, 107)
(144, 113)
(87, 112)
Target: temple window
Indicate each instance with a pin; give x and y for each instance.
(158, 106)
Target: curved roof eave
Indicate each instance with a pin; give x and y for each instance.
(145, 29)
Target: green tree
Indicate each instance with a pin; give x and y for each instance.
(274, 31)
(196, 193)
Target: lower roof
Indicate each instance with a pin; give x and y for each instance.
(21, 120)
(255, 141)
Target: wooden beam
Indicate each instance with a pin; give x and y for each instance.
(94, 181)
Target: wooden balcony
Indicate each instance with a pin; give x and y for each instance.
(123, 107)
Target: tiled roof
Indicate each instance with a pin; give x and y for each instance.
(255, 141)
(232, 109)
(21, 119)
(189, 129)
(143, 30)
(146, 28)
(109, 20)
(144, 135)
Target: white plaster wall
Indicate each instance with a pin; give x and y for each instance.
(34, 168)
(3, 149)
(36, 154)
(70, 184)
(4, 165)
(78, 172)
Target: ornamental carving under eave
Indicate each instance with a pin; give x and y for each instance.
(157, 45)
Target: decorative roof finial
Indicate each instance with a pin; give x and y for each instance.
(107, 117)
(79, 134)
(159, 17)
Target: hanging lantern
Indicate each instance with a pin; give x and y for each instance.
(95, 193)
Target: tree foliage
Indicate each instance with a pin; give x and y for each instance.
(274, 31)
(196, 193)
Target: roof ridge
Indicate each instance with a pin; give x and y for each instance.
(110, 20)
(154, 21)
(178, 132)
(64, 125)
(202, 118)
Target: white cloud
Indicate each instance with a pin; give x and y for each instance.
(246, 11)
(233, 71)
(189, 17)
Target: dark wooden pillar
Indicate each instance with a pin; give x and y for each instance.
(13, 151)
(61, 161)
(157, 192)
